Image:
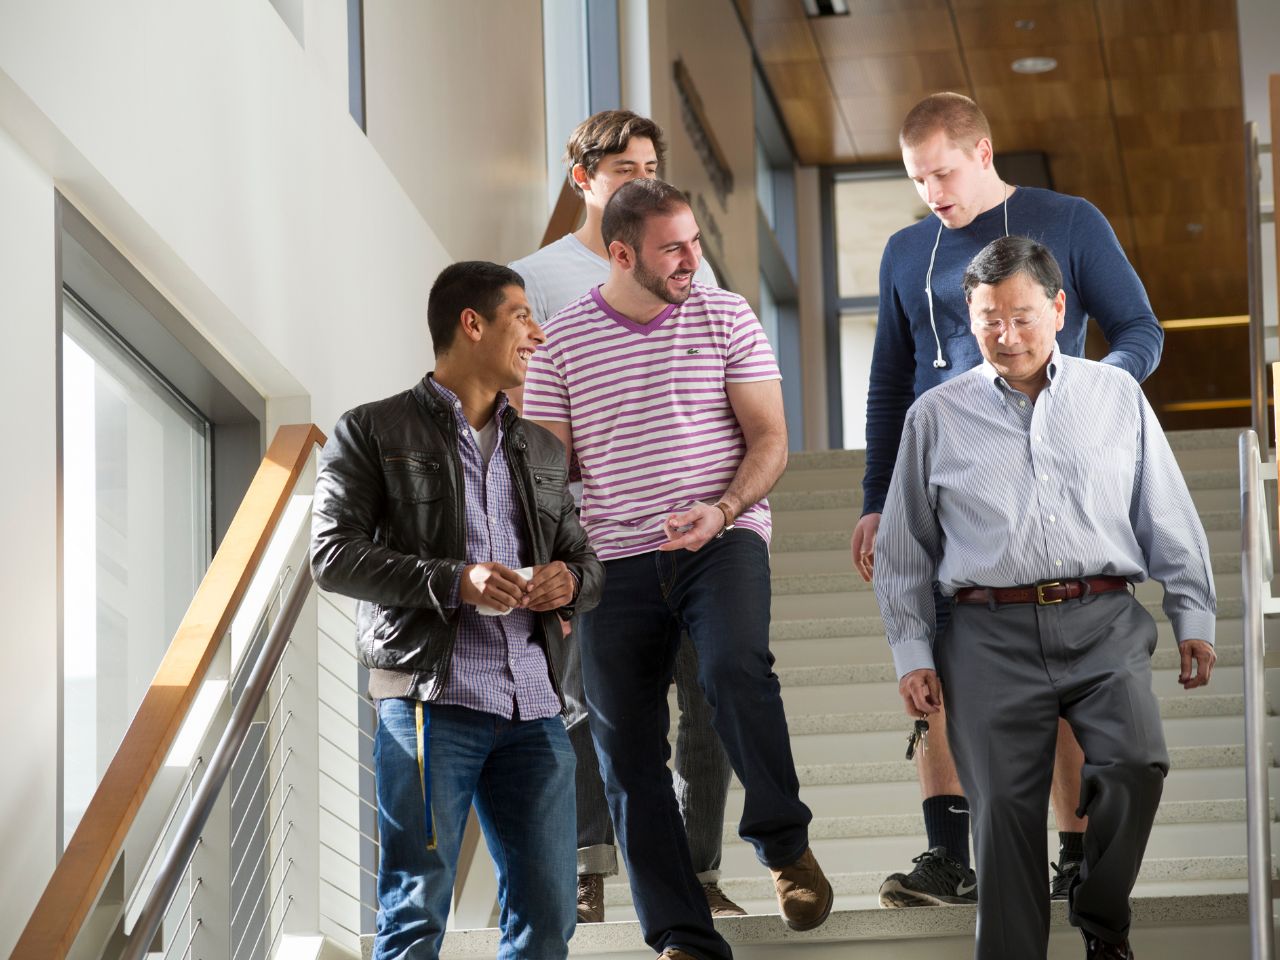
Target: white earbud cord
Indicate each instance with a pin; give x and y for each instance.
(940, 361)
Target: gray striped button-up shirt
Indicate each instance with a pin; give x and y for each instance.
(993, 490)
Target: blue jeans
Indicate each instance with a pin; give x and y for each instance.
(519, 774)
(720, 594)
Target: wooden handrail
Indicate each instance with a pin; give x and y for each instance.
(96, 843)
(564, 218)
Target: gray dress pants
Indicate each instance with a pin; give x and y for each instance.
(1008, 672)
(701, 772)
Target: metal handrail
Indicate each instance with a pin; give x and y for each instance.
(1254, 569)
(1257, 322)
(188, 836)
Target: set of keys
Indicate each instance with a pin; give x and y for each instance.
(918, 738)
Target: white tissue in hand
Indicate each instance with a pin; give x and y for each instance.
(524, 573)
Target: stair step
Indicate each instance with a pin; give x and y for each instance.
(762, 935)
(829, 571)
(872, 648)
(1207, 705)
(1210, 757)
(1165, 658)
(870, 624)
(830, 491)
(862, 603)
(912, 824)
(1222, 529)
(759, 887)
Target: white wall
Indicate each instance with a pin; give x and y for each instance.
(1259, 24)
(813, 316)
(216, 153)
(708, 36)
(28, 564)
(455, 106)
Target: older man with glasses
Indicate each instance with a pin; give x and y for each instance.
(1033, 489)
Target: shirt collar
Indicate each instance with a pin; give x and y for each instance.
(451, 398)
(998, 382)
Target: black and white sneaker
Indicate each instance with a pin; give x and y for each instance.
(1063, 877)
(936, 881)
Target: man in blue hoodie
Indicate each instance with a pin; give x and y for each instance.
(923, 338)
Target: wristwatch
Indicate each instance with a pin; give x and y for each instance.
(728, 518)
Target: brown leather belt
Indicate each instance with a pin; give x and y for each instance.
(1045, 593)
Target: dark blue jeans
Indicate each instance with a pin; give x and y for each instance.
(519, 774)
(720, 594)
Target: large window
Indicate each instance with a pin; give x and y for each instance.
(776, 242)
(136, 537)
(864, 209)
(158, 440)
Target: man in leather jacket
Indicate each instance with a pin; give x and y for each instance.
(447, 516)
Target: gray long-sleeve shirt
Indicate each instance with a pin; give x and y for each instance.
(993, 490)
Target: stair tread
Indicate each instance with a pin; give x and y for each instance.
(862, 925)
(857, 883)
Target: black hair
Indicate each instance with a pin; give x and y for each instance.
(477, 284)
(1008, 256)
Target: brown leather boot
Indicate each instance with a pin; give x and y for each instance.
(591, 898)
(719, 904)
(804, 894)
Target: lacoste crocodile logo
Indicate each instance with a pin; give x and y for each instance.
(691, 350)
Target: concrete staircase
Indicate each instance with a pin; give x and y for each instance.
(849, 731)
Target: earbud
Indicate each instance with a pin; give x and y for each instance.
(939, 364)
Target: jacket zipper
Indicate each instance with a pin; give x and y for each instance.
(535, 537)
(460, 538)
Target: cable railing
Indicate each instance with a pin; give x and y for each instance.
(187, 738)
(1256, 570)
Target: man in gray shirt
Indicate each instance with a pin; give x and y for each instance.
(1034, 489)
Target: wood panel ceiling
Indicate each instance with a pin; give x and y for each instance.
(1143, 115)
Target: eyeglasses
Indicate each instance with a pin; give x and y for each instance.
(1017, 323)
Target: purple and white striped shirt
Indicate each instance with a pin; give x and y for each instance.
(650, 418)
(497, 666)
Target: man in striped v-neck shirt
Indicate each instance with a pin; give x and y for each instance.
(605, 151)
(668, 393)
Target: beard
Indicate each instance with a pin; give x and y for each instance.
(657, 285)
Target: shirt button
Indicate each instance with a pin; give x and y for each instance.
(1044, 477)
(1039, 439)
(1052, 518)
(1022, 403)
(1057, 563)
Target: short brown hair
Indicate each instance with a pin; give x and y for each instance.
(632, 204)
(953, 113)
(605, 133)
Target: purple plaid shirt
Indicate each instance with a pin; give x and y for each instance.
(497, 666)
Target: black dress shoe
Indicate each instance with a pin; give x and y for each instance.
(1095, 948)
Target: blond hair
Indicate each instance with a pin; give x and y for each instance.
(953, 113)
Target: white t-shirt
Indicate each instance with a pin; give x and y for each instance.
(563, 271)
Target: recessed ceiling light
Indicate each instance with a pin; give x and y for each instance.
(826, 8)
(1034, 65)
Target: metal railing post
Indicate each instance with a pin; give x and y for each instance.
(1257, 788)
(188, 835)
(1257, 328)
